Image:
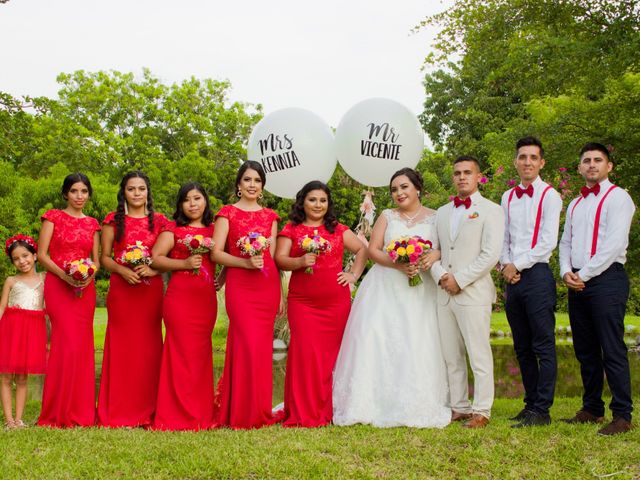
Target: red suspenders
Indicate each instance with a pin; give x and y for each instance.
(596, 223)
(536, 228)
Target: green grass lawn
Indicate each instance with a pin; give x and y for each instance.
(558, 451)
(498, 323)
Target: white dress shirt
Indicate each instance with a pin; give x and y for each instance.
(613, 233)
(458, 213)
(520, 220)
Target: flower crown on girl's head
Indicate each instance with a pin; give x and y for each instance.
(20, 238)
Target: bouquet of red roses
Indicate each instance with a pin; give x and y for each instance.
(253, 244)
(135, 255)
(80, 270)
(197, 245)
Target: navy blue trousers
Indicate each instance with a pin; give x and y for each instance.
(530, 306)
(597, 324)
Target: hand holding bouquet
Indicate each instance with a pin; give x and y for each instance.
(408, 250)
(136, 255)
(253, 244)
(197, 245)
(314, 244)
(80, 271)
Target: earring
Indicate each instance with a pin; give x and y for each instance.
(146, 212)
(239, 193)
(418, 193)
(260, 196)
(126, 208)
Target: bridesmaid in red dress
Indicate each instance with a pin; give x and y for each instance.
(318, 303)
(185, 392)
(252, 298)
(69, 398)
(133, 343)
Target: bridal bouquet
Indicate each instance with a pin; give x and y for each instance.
(135, 255)
(197, 245)
(408, 250)
(314, 244)
(80, 270)
(253, 244)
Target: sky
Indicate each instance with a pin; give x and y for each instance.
(322, 56)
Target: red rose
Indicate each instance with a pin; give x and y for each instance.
(194, 243)
(92, 270)
(67, 269)
(428, 242)
(77, 275)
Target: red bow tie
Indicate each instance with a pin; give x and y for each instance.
(524, 191)
(458, 202)
(585, 191)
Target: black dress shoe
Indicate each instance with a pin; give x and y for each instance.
(520, 416)
(533, 419)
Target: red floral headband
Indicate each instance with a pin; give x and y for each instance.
(20, 238)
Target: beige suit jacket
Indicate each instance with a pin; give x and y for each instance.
(472, 254)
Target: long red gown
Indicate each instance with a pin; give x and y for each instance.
(252, 298)
(186, 391)
(318, 308)
(133, 342)
(68, 397)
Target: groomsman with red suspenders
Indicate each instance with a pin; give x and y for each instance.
(532, 218)
(593, 250)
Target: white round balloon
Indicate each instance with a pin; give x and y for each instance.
(294, 146)
(376, 138)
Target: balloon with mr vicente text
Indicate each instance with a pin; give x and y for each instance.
(294, 146)
(377, 137)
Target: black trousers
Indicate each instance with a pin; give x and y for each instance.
(597, 323)
(530, 306)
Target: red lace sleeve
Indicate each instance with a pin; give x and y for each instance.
(160, 221)
(95, 225)
(287, 231)
(51, 215)
(110, 219)
(340, 229)
(225, 212)
(169, 227)
(274, 215)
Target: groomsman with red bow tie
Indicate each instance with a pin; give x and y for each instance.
(593, 250)
(470, 231)
(532, 218)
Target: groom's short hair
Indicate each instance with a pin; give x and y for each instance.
(588, 147)
(467, 158)
(530, 141)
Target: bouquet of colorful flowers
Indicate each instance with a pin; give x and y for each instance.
(80, 270)
(408, 250)
(136, 254)
(253, 244)
(197, 245)
(314, 244)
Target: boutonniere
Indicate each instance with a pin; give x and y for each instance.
(474, 215)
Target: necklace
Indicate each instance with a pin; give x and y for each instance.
(410, 219)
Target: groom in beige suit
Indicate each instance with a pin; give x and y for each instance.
(470, 231)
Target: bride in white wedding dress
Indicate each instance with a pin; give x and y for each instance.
(390, 371)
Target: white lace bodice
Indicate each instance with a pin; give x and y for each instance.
(398, 226)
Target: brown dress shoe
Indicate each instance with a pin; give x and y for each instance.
(477, 421)
(582, 416)
(617, 425)
(459, 416)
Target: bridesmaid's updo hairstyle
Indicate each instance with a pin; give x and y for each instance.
(414, 177)
(297, 215)
(72, 178)
(120, 211)
(179, 216)
(253, 165)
